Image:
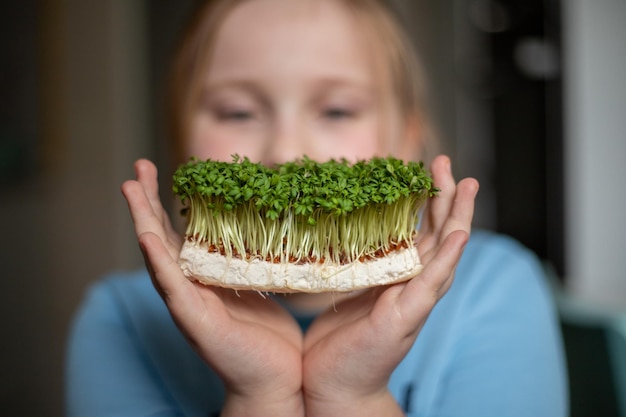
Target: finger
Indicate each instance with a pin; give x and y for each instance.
(178, 292)
(143, 214)
(147, 176)
(141, 210)
(438, 207)
(462, 210)
(164, 270)
(422, 292)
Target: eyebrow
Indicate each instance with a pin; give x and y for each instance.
(248, 87)
(320, 86)
(361, 88)
(252, 84)
(232, 84)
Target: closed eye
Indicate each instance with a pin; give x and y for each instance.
(337, 114)
(235, 115)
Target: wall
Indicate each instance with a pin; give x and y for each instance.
(102, 115)
(595, 52)
(65, 223)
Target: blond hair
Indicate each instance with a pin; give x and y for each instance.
(399, 66)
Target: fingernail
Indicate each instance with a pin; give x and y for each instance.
(476, 187)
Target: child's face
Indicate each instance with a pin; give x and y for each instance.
(286, 79)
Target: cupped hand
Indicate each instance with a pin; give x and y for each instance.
(350, 351)
(251, 342)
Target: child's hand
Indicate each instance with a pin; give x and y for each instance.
(350, 353)
(257, 348)
(252, 343)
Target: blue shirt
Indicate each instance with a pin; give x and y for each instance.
(491, 347)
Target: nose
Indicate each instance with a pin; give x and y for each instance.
(287, 142)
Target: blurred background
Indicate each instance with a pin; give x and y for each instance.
(529, 95)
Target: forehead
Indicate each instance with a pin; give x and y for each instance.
(283, 37)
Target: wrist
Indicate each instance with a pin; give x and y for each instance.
(377, 404)
(237, 405)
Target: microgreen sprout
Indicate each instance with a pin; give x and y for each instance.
(303, 211)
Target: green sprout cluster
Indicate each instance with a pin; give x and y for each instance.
(303, 211)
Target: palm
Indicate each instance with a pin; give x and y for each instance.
(359, 342)
(243, 328)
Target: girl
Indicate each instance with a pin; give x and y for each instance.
(274, 80)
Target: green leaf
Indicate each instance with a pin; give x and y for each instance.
(355, 208)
